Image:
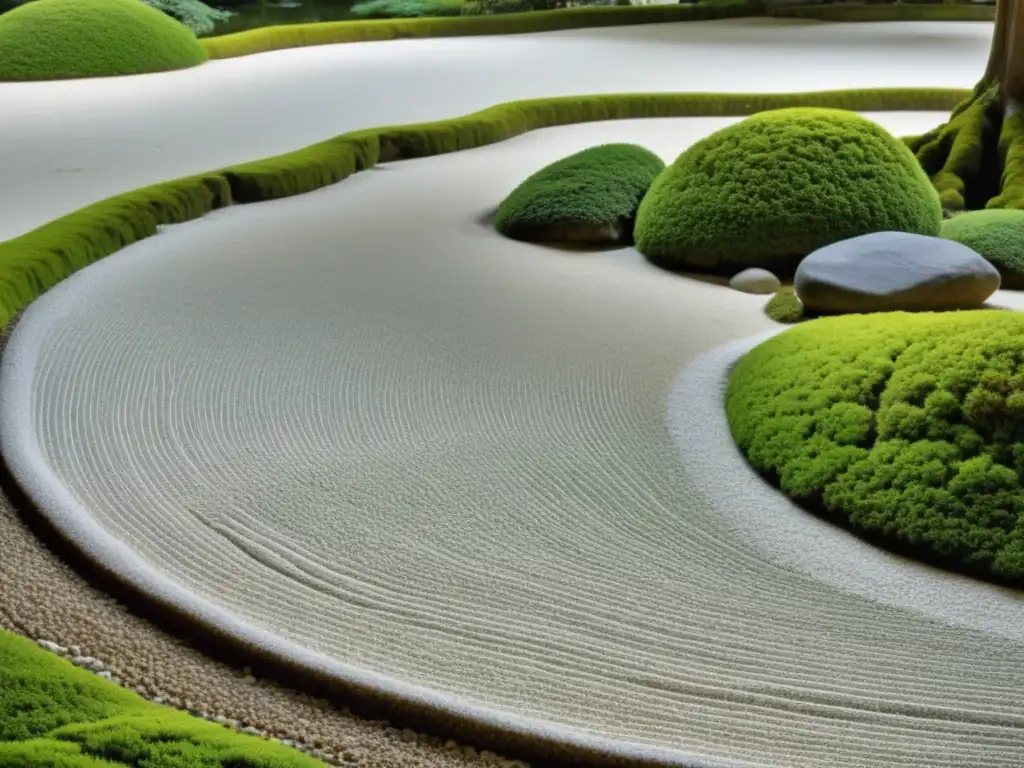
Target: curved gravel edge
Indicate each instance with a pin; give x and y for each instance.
(763, 516)
(28, 466)
(46, 599)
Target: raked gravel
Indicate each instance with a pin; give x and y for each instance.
(68, 144)
(439, 461)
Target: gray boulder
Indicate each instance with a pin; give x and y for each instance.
(755, 280)
(892, 271)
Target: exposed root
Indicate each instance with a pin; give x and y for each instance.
(964, 157)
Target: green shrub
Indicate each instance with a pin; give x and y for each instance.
(53, 714)
(996, 234)
(196, 15)
(784, 306)
(393, 9)
(57, 39)
(599, 186)
(909, 428)
(769, 190)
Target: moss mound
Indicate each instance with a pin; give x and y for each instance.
(996, 234)
(770, 189)
(785, 306)
(591, 196)
(908, 428)
(59, 39)
(55, 715)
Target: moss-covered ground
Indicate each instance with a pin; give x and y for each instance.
(908, 428)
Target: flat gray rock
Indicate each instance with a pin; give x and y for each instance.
(892, 271)
(755, 280)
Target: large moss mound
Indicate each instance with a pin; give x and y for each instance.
(60, 39)
(592, 195)
(908, 428)
(998, 235)
(55, 715)
(780, 184)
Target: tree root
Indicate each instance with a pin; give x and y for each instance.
(964, 156)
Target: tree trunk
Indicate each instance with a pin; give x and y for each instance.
(976, 159)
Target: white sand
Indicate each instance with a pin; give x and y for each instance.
(360, 426)
(67, 144)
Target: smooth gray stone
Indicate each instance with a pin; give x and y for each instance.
(892, 271)
(755, 280)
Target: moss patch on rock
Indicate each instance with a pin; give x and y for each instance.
(589, 197)
(780, 184)
(907, 428)
(996, 234)
(61, 39)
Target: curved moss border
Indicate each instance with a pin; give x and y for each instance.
(899, 12)
(284, 36)
(36, 261)
(33, 263)
(326, 33)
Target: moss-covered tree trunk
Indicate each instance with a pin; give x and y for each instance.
(976, 160)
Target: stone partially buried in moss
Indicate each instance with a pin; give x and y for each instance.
(894, 271)
(908, 428)
(62, 39)
(996, 234)
(590, 197)
(769, 190)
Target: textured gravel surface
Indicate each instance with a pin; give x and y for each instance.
(443, 465)
(740, 680)
(44, 598)
(66, 144)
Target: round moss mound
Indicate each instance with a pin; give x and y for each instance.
(907, 428)
(769, 190)
(590, 196)
(785, 306)
(998, 235)
(62, 39)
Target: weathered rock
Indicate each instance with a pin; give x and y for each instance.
(579, 232)
(892, 271)
(755, 280)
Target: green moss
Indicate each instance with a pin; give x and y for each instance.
(784, 306)
(36, 261)
(55, 714)
(890, 12)
(58, 39)
(298, 35)
(771, 189)
(959, 155)
(408, 9)
(998, 235)
(600, 185)
(909, 428)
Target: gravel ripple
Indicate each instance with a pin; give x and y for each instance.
(441, 465)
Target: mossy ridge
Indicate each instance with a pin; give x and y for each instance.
(38, 260)
(66, 39)
(599, 185)
(998, 235)
(907, 428)
(323, 33)
(854, 12)
(55, 715)
(767, 191)
(333, 32)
